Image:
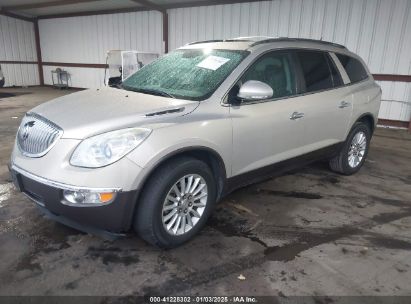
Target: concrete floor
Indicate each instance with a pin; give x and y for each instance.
(311, 232)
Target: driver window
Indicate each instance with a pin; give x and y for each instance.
(274, 69)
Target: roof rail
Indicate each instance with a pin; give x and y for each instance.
(205, 41)
(257, 40)
(280, 39)
(238, 39)
(249, 38)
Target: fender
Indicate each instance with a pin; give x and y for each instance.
(216, 163)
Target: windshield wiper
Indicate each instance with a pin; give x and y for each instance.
(149, 91)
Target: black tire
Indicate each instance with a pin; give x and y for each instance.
(148, 219)
(340, 163)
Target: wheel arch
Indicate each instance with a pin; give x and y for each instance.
(368, 119)
(211, 157)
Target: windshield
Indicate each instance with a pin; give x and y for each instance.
(188, 74)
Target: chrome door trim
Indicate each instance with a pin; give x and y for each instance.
(59, 185)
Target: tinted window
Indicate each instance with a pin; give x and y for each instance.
(337, 80)
(355, 70)
(316, 70)
(274, 69)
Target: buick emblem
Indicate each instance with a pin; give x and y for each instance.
(26, 129)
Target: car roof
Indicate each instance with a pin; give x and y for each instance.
(254, 43)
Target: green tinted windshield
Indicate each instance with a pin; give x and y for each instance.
(188, 74)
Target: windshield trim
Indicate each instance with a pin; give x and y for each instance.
(148, 91)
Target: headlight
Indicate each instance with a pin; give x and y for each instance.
(87, 198)
(107, 148)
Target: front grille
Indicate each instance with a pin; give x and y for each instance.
(37, 135)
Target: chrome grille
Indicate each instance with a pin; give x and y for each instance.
(37, 135)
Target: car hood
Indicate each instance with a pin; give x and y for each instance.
(96, 111)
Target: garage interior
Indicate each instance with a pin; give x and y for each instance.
(308, 233)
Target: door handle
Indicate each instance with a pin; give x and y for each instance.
(344, 104)
(296, 115)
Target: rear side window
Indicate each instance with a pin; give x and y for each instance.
(354, 68)
(316, 70)
(337, 80)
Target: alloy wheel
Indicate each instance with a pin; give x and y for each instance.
(184, 204)
(357, 149)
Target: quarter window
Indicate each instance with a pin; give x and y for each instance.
(274, 69)
(354, 68)
(316, 70)
(337, 80)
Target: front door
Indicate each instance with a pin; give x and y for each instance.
(268, 131)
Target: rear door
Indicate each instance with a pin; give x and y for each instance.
(366, 94)
(328, 102)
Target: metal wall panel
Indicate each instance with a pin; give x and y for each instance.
(17, 43)
(78, 77)
(20, 74)
(378, 30)
(396, 100)
(87, 39)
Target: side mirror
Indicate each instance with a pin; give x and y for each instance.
(253, 90)
(114, 81)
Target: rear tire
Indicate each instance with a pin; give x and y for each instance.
(166, 202)
(354, 152)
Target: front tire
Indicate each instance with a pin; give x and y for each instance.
(354, 152)
(175, 203)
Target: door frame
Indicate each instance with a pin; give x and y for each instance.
(294, 67)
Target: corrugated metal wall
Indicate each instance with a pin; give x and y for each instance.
(17, 43)
(78, 77)
(378, 30)
(86, 40)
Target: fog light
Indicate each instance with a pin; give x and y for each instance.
(83, 197)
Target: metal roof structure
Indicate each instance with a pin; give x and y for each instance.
(44, 9)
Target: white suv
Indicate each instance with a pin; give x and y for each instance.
(157, 153)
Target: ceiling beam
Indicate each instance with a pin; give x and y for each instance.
(92, 13)
(150, 5)
(145, 5)
(44, 4)
(205, 3)
(16, 16)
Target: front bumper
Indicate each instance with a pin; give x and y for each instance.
(111, 219)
